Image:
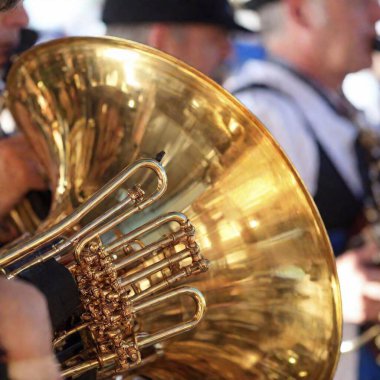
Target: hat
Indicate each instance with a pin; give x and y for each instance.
(216, 12)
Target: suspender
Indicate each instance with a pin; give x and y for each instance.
(338, 206)
(3, 372)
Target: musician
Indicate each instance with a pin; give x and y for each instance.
(19, 173)
(195, 31)
(25, 336)
(296, 92)
(12, 22)
(25, 328)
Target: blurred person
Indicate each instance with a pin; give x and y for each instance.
(246, 45)
(363, 90)
(194, 31)
(19, 172)
(25, 328)
(297, 93)
(25, 333)
(15, 37)
(11, 23)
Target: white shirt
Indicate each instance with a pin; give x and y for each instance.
(363, 90)
(295, 115)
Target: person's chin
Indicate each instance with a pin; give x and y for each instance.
(365, 56)
(366, 61)
(363, 60)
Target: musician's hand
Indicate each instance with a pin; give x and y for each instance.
(360, 284)
(19, 172)
(25, 332)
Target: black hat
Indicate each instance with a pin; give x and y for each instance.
(257, 4)
(217, 12)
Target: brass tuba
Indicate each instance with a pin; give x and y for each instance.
(90, 107)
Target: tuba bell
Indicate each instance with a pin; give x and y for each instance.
(269, 303)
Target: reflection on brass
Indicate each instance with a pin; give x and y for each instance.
(117, 281)
(90, 107)
(111, 217)
(111, 301)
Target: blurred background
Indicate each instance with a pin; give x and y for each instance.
(59, 18)
(65, 17)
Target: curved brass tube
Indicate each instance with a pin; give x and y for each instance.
(156, 337)
(27, 247)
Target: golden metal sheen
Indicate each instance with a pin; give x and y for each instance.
(90, 106)
(119, 211)
(120, 279)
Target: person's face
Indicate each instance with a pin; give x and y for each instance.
(11, 23)
(202, 46)
(345, 39)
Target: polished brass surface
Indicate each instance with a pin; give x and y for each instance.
(91, 106)
(117, 280)
(108, 217)
(129, 356)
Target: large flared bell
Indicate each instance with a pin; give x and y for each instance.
(90, 106)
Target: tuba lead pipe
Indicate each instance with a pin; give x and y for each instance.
(84, 209)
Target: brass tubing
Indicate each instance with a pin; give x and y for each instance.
(157, 337)
(170, 217)
(149, 250)
(61, 247)
(165, 283)
(103, 229)
(101, 219)
(81, 211)
(18, 252)
(86, 366)
(103, 361)
(154, 268)
(168, 333)
(66, 223)
(161, 188)
(64, 336)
